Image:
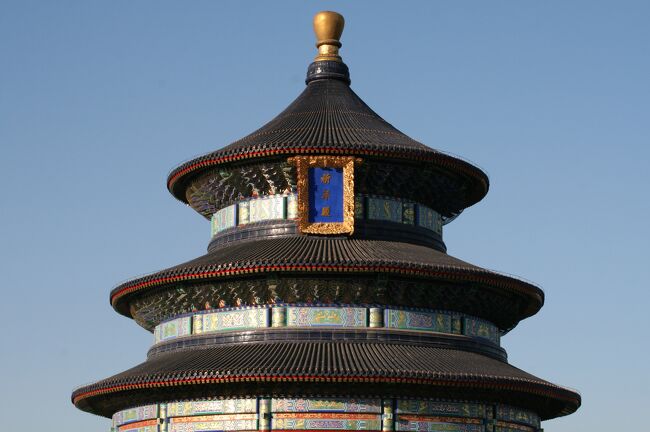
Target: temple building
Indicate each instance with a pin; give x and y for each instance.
(326, 299)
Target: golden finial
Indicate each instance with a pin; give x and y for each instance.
(328, 27)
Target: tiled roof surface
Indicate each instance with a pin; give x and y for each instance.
(327, 254)
(329, 118)
(335, 362)
(477, 345)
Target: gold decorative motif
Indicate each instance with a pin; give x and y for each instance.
(303, 163)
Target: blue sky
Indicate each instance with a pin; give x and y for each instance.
(99, 100)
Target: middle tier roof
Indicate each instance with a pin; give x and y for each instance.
(318, 257)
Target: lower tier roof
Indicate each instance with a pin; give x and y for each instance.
(329, 255)
(325, 368)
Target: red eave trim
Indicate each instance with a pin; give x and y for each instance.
(448, 274)
(316, 378)
(442, 157)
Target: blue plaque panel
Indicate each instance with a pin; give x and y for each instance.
(325, 194)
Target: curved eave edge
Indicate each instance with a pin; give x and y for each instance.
(450, 274)
(191, 168)
(571, 399)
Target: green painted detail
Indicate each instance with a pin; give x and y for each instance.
(283, 207)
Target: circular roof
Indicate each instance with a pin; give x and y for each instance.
(329, 118)
(392, 369)
(319, 255)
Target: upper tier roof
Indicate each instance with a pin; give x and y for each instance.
(329, 118)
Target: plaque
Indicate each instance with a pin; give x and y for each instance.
(325, 194)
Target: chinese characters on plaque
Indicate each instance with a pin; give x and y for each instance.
(325, 194)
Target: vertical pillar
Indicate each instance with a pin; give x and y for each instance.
(278, 317)
(163, 421)
(456, 325)
(264, 413)
(387, 415)
(490, 417)
(197, 324)
(376, 317)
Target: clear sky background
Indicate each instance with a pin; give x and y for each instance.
(99, 100)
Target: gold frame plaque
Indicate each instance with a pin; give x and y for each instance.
(303, 163)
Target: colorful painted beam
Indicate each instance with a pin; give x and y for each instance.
(285, 207)
(349, 316)
(325, 414)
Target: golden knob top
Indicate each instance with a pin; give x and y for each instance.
(328, 27)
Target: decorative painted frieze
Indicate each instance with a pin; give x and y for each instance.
(326, 421)
(512, 414)
(137, 414)
(408, 213)
(173, 329)
(384, 209)
(267, 208)
(219, 422)
(410, 422)
(326, 405)
(326, 317)
(224, 219)
(246, 318)
(374, 414)
(429, 219)
(280, 207)
(141, 426)
(225, 406)
(480, 328)
(231, 320)
(410, 320)
(434, 407)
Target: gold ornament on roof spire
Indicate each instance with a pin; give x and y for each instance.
(328, 27)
